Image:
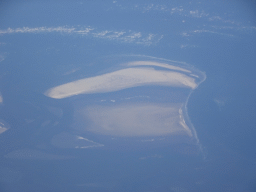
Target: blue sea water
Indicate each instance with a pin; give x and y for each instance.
(47, 44)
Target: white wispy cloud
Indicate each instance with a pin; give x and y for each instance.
(122, 36)
(38, 30)
(222, 20)
(198, 14)
(200, 31)
(3, 55)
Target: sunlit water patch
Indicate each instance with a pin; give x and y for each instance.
(137, 101)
